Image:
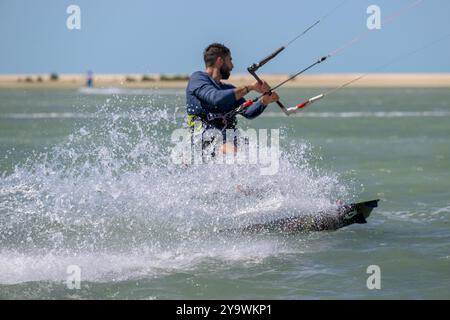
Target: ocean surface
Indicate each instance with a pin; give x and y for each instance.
(87, 184)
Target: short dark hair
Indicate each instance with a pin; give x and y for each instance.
(213, 51)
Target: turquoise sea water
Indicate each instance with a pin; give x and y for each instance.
(86, 180)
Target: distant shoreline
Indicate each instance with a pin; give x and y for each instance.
(67, 81)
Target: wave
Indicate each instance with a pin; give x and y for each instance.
(128, 91)
(48, 115)
(380, 114)
(424, 213)
(391, 114)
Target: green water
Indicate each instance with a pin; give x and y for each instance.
(391, 144)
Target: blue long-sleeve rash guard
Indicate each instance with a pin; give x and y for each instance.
(204, 95)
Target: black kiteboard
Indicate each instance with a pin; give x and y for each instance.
(342, 216)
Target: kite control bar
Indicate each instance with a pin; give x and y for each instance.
(305, 103)
(254, 67)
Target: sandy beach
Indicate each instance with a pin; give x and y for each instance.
(174, 81)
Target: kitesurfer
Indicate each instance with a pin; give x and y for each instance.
(210, 102)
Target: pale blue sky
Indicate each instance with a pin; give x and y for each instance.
(155, 36)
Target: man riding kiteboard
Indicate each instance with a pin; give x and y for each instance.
(210, 103)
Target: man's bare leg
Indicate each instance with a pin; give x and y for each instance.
(228, 148)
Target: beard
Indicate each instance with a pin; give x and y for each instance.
(225, 72)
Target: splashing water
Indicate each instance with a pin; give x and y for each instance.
(109, 200)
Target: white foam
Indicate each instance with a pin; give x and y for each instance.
(47, 115)
(109, 200)
(106, 267)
